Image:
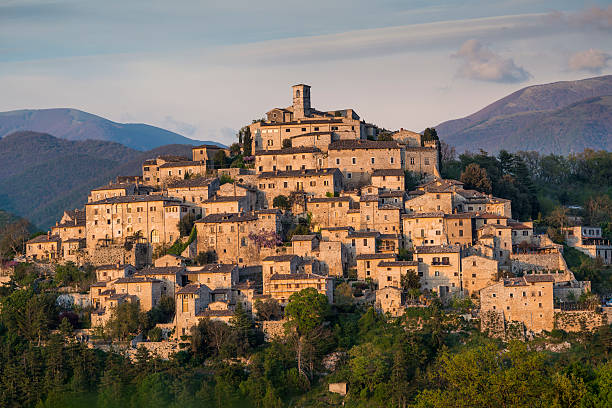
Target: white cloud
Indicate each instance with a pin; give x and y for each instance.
(480, 63)
(592, 17)
(589, 60)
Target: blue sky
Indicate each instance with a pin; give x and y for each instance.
(205, 68)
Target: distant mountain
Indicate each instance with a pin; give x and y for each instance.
(42, 175)
(561, 118)
(74, 124)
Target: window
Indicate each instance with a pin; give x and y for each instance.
(337, 160)
(437, 273)
(412, 161)
(155, 236)
(426, 161)
(354, 160)
(316, 128)
(372, 160)
(365, 242)
(393, 161)
(303, 129)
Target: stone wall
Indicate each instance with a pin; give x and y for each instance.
(539, 262)
(579, 320)
(492, 322)
(139, 255)
(273, 328)
(162, 349)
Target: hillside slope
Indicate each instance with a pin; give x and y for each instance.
(561, 117)
(73, 124)
(44, 175)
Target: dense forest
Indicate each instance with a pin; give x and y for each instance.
(427, 358)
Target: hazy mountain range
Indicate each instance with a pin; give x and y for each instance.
(562, 117)
(41, 175)
(73, 124)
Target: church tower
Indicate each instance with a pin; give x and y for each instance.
(301, 101)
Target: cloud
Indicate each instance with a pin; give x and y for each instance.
(480, 63)
(589, 60)
(593, 17)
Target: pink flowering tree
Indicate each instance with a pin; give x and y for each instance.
(266, 239)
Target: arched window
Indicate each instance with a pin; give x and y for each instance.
(297, 93)
(155, 236)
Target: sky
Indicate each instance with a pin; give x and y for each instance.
(205, 68)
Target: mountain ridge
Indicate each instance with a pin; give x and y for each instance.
(74, 124)
(564, 117)
(45, 175)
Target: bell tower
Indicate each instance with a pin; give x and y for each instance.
(301, 101)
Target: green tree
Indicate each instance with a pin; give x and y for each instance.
(185, 225)
(220, 159)
(475, 177)
(343, 295)
(246, 140)
(282, 202)
(430, 134)
(235, 149)
(244, 329)
(124, 322)
(268, 309)
(306, 312)
(410, 280)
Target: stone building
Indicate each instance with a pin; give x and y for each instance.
(154, 219)
(316, 183)
(527, 300)
(460, 228)
(171, 278)
(195, 190)
(367, 264)
(231, 236)
(421, 229)
(478, 272)
(206, 153)
(171, 172)
(421, 160)
(45, 247)
(287, 159)
(389, 179)
(117, 190)
(107, 273)
(589, 240)
(390, 300)
(151, 175)
(328, 211)
(389, 272)
(191, 301)
(215, 276)
(380, 217)
(356, 159)
(281, 286)
(440, 269)
(522, 233)
(71, 225)
(147, 290)
(302, 121)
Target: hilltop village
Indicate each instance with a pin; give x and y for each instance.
(324, 199)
